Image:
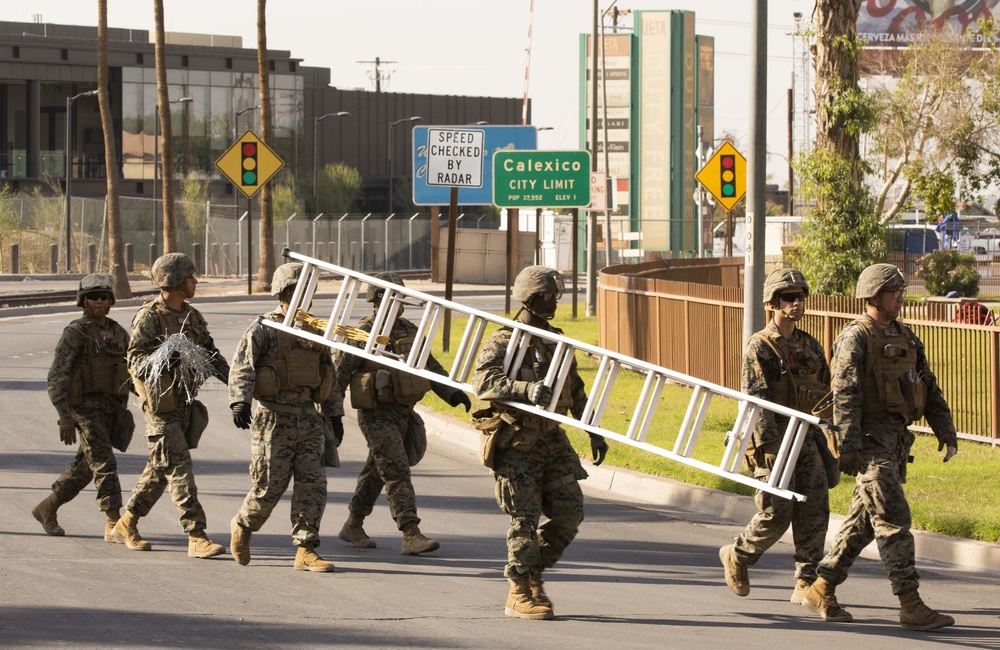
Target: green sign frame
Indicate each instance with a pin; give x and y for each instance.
(541, 179)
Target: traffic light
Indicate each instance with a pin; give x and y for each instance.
(727, 174)
(249, 163)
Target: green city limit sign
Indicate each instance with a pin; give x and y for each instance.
(541, 179)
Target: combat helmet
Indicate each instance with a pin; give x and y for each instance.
(782, 280)
(533, 280)
(171, 270)
(374, 292)
(877, 277)
(286, 275)
(95, 282)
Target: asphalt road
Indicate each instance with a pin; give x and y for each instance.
(637, 575)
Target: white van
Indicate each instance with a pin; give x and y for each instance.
(987, 241)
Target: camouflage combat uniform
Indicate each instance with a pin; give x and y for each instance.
(97, 351)
(538, 473)
(169, 461)
(879, 510)
(384, 428)
(287, 430)
(762, 374)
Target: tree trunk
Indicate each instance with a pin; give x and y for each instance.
(266, 266)
(116, 248)
(166, 135)
(836, 65)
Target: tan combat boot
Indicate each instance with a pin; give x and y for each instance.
(200, 546)
(822, 600)
(113, 515)
(915, 615)
(45, 513)
(736, 574)
(521, 604)
(801, 587)
(538, 593)
(414, 542)
(307, 560)
(125, 532)
(353, 532)
(239, 543)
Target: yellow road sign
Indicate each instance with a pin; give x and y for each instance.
(249, 163)
(725, 175)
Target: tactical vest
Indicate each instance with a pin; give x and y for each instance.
(168, 397)
(102, 368)
(891, 382)
(796, 388)
(533, 368)
(384, 385)
(297, 365)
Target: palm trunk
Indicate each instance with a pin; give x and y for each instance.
(266, 265)
(166, 134)
(116, 249)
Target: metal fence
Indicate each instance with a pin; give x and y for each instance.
(697, 328)
(214, 232)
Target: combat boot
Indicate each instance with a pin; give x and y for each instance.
(307, 560)
(521, 604)
(822, 600)
(353, 532)
(126, 532)
(414, 542)
(538, 593)
(736, 573)
(239, 544)
(113, 515)
(200, 546)
(801, 587)
(45, 513)
(915, 615)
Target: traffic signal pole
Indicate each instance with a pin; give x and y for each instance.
(753, 272)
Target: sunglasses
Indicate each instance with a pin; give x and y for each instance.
(98, 295)
(792, 297)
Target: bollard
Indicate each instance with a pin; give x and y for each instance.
(129, 258)
(213, 258)
(196, 256)
(226, 260)
(53, 258)
(152, 254)
(92, 258)
(15, 259)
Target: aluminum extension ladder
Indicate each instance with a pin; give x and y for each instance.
(340, 329)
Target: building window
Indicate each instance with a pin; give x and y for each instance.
(64, 54)
(184, 61)
(138, 58)
(229, 63)
(16, 52)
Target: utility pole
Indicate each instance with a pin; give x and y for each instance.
(376, 74)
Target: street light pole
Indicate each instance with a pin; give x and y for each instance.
(156, 169)
(316, 154)
(69, 172)
(236, 120)
(414, 118)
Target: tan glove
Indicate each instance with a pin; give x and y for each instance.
(539, 394)
(67, 430)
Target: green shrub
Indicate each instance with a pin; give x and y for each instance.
(943, 271)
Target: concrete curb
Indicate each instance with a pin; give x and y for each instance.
(964, 554)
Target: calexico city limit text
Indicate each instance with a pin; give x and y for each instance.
(540, 166)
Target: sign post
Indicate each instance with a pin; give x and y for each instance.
(249, 164)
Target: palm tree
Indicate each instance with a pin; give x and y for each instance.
(116, 249)
(266, 265)
(166, 134)
(836, 63)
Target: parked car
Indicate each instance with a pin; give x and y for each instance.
(913, 239)
(986, 242)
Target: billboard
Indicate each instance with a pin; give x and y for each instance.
(895, 23)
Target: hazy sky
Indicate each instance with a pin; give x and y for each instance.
(470, 47)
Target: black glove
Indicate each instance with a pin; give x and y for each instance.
(218, 374)
(460, 398)
(850, 462)
(539, 394)
(952, 449)
(598, 447)
(67, 430)
(337, 424)
(241, 415)
(174, 360)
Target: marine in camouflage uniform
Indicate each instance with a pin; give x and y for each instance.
(386, 420)
(785, 365)
(537, 473)
(882, 383)
(169, 465)
(88, 385)
(290, 377)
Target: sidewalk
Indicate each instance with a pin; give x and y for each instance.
(964, 554)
